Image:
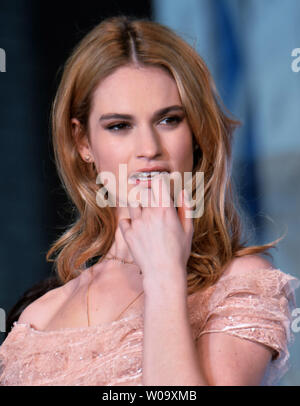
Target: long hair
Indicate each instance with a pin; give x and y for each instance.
(120, 41)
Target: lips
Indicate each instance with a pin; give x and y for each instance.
(151, 169)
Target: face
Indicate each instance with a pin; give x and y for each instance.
(137, 119)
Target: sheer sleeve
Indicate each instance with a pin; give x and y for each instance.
(255, 305)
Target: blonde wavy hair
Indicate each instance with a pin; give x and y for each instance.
(120, 41)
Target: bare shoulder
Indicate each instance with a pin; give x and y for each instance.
(229, 358)
(41, 309)
(247, 263)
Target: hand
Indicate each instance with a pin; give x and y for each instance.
(159, 238)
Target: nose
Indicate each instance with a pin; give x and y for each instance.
(148, 144)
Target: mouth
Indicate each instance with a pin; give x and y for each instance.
(144, 177)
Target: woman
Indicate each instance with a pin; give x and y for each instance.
(163, 281)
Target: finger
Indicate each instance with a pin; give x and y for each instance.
(135, 199)
(161, 190)
(124, 225)
(185, 208)
(135, 210)
(146, 197)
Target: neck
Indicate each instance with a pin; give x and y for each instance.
(120, 248)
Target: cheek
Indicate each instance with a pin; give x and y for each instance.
(188, 162)
(183, 155)
(106, 158)
(108, 161)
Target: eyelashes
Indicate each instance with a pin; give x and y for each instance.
(173, 121)
(118, 126)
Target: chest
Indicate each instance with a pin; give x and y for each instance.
(94, 304)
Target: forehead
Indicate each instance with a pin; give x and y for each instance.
(143, 88)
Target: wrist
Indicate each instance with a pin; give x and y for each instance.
(170, 281)
(160, 300)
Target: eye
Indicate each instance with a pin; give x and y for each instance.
(118, 126)
(173, 120)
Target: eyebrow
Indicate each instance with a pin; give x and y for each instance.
(156, 115)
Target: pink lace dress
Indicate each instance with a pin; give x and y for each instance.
(252, 305)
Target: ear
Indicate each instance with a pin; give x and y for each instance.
(81, 141)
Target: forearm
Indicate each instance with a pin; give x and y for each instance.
(169, 352)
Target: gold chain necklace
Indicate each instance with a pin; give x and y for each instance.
(123, 261)
(88, 291)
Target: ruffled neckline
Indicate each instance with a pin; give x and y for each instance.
(132, 318)
(137, 317)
